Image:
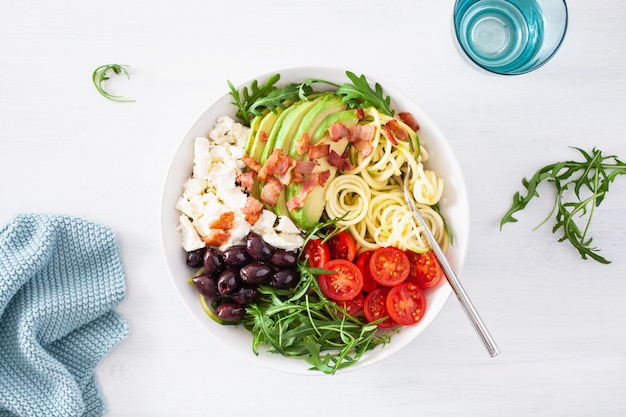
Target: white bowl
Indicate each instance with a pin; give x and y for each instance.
(454, 207)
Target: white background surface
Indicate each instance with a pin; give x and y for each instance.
(558, 320)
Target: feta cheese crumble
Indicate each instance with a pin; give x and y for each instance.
(211, 191)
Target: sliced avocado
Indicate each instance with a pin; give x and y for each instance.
(254, 126)
(347, 117)
(265, 128)
(281, 137)
(328, 103)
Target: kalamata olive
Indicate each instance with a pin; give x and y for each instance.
(255, 273)
(285, 278)
(228, 281)
(230, 311)
(245, 295)
(206, 285)
(236, 256)
(213, 261)
(283, 258)
(257, 248)
(195, 258)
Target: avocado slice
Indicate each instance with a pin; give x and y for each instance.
(265, 127)
(308, 216)
(254, 127)
(281, 137)
(328, 103)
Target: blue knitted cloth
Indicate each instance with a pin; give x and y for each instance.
(59, 279)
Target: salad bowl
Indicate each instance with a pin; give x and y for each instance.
(453, 205)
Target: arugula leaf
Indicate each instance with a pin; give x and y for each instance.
(252, 101)
(100, 75)
(246, 99)
(590, 179)
(360, 94)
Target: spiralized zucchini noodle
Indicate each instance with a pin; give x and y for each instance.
(372, 202)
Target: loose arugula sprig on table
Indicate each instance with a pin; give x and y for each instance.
(251, 102)
(101, 74)
(590, 180)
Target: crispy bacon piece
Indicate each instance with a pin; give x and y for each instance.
(278, 164)
(395, 132)
(271, 190)
(224, 222)
(318, 151)
(298, 200)
(408, 118)
(246, 180)
(252, 210)
(303, 169)
(336, 160)
(364, 147)
(323, 177)
(216, 237)
(303, 144)
(251, 163)
(262, 136)
(362, 133)
(360, 114)
(338, 131)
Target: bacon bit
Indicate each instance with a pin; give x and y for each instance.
(408, 118)
(271, 191)
(225, 221)
(252, 210)
(338, 131)
(365, 133)
(303, 144)
(285, 177)
(303, 169)
(216, 237)
(323, 177)
(298, 200)
(364, 147)
(360, 114)
(395, 132)
(246, 180)
(319, 151)
(251, 163)
(262, 136)
(338, 161)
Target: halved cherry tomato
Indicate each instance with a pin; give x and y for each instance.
(353, 306)
(342, 246)
(375, 307)
(406, 304)
(425, 269)
(363, 263)
(344, 283)
(316, 253)
(389, 266)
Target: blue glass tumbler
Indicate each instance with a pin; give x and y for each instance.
(510, 36)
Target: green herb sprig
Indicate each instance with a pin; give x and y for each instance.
(303, 323)
(253, 100)
(590, 180)
(101, 74)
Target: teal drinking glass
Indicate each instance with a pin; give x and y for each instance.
(510, 36)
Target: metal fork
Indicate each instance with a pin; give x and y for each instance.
(458, 289)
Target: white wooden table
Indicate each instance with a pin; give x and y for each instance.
(559, 320)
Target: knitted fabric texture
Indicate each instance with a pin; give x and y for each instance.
(60, 277)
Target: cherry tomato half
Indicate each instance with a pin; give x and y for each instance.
(425, 269)
(375, 307)
(316, 253)
(342, 246)
(344, 283)
(406, 304)
(363, 263)
(353, 306)
(389, 266)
